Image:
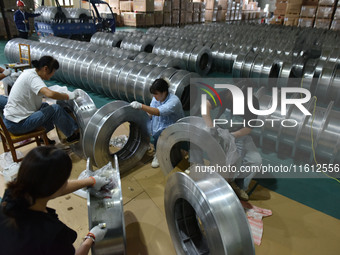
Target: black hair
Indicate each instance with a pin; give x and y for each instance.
(43, 171)
(159, 85)
(50, 62)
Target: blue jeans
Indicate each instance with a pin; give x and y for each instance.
(47, 117)
(155, 137)
(249, 156)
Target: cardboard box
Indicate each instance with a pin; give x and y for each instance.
(211, 15)
(223, 3)
(293, 8)
(175, 16)
(306, 22)
(326, 2)
(324, 12)
(190, 7)
(291, 20)
(149, 19)
(133, 19)
(158, 6)
(167, 18)
(337, 13)
(196, 17)
(114, 4)
(335, 25)
(211, 5)
(183, 5)
(280, 8)
(167, 6)
(126, 6)
(188, 18)
(182, 17)
(277, 19)
(296, 1)
(176, 4)
(322, 23)
(158, 16)
(221, 15)
(143, 5)
(310, 2)
(197, 7)
(308, 11)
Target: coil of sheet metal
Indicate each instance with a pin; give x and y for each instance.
(204, 216)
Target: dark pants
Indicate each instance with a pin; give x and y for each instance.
(23, 35)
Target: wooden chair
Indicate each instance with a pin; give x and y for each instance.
(12, 142)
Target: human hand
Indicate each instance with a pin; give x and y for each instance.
(98, 232)
(72, 95)
(99, 182)
(7, 72)
(136, 105)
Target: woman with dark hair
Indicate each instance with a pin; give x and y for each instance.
(27, 225)
(165, 109)
(25, 111)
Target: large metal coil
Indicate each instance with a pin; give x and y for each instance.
(52, 14)
(153, 59)
(137, 44)
(111, 39)
(83, 15)
(113, 77)
(205, 216)
(109, 210)
(117, 52)
(103, 124)
(324, 126)
(193, 131)
(82, 108)
(68, 43)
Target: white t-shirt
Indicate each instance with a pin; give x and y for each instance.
(24, 98)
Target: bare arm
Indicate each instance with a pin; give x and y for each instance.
(207, 118)
(150, 110)
(242, 132)
(53, 94)
(73, 185)
(84, 247)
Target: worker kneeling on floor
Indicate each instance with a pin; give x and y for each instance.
(164, 110)
(25, 111)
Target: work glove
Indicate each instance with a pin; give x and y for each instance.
(98, 232)
(99, 182)
(72, 95)
(136, 105)
(7, 72)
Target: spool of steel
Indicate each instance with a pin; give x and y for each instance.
(191, 130)
(205, 216)
(82, 108)
(52, 14)
(102, 125)
(79, 14)
(109, 210)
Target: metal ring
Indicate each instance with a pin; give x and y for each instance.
(205, 216)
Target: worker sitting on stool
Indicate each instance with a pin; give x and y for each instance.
(25, 111)
(27, 225)
(21, 19)
(245, 145)
(165, 109)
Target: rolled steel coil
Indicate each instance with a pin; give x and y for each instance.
(109, 210)
(68, 43)
(80, 14)
(111, 39)
(326, 138)
(205, 216)
(52, 14)
(137, 44)
(113, 77)
(101, 126)
(153, 59)
(191, 130)
(82, 108)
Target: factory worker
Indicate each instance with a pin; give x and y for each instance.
(25, 111)
(165, 109)
(27, 225)
(238, 127)
(21, 19)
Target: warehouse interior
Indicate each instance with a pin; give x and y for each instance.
(289, 43)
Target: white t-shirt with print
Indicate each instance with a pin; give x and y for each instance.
(24, 98)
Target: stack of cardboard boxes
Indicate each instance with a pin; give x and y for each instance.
(307, 13)
(251, 11)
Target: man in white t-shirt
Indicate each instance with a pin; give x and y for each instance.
(25, 111)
